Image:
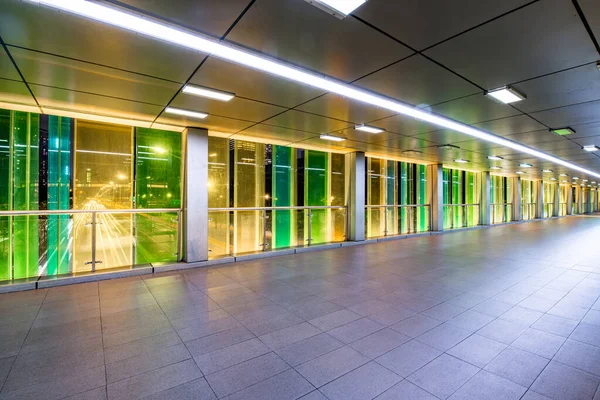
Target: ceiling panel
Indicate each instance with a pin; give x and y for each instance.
(570, 115)
(307, 122)
(212, 17)
(519, 46)
(404, 125)
(576, 85)
(87, 103)
(212, 122)
(276, 132)
(472, 109)
(443, 136)
(411, 21)
(36, 27)
(511, 125)
(302, 34)
(585, 130)
(346, 145)
(592, 13)
(237, 108)
(402, 143)
(417, 81)
(15, 92)
(335, 106)
(7, 69)
(531, 138)
(44, 69)
(365, 137)
(252, 84)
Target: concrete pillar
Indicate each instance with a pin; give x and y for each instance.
(515, 199)
(436, 196)
(557, 201)
(485, 199)
(539, 204)
(195, 195)
(356, 195)
(569, 200)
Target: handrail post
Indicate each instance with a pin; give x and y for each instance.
(93, 241)
(264, 243)
(466, 216)
(309, 213)
(178, 235)
(385, 222)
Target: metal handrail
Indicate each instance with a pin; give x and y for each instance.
(461, 205)
(500, 204)
(106, 211)
(397, 205)
(385, 208)
(465, 215)
(278, 208)
(506, 216)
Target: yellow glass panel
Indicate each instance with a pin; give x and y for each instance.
(218, 196)
(337, 196)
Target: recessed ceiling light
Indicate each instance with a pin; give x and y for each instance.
(593, 182)
(552, 179)
(368, 129)
(186, 113)
(235, 54)
(565, 181)
(447, 147)
(575, 178)
(525, 165)
(506, 95)
(332, 138)
(208, 93)
(591, 148)
(563, 175)
(412, 152)
(547, 171)
(519, 172)
(494, 167)
(495, 158)
(563, 131)
(335, 7)
(585, 180)
(461, 161)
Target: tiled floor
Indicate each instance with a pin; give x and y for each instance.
(504, 313)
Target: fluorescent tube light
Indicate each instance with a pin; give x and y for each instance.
(565, 181)
(186, 113)
(494, 167)
(332, 138)
(208, 93)
(552, 179)
(495, 158)
(226, 51)
(519, 172)
(368, 129)
(563, 175)
(563, 131)
(343, 7)
(591, 148)
(585, 180)
(461, 161)
(548, 171)
(506, 95)
(575, 178)
(525, 165)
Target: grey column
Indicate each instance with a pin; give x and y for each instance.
(557, 201)
(580, 209)
(356, 196)
(588, 200)
(516, 198)
(436, 196)
(539, 205)
(570, 200)
(484, 199)
(195, 195)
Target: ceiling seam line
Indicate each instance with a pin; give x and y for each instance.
(238, 19)
(586, 25)
(92, 63)
(552, 73)
(12, 60)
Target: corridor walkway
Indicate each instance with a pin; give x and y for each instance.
(505, 313)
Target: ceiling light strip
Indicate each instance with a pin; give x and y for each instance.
(160, 31)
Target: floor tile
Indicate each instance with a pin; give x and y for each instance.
(492, 308)
(538, 342)
(503, 331)
(391, 316)
(334, 320)
(287, 336)
(218, 341)
(365, 382)
(559, 381)
(355, 330)
(587, 333)
(288, 385)
(444, 311)
(555, 325)
(581, 356)
(517, 366)
(521, 315)
(477, 350)
(489, 386)
(416, 325)
(471, 320)
(308, 349)
(408, 358)
(443, 376)
(379, 342)
(444, 336)
(406, 390)
(197, 389)
(330, 366)
(230, 356)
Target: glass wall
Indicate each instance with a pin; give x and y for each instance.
(594, 197)
(528, 199)
(461, 198)
(500, 195)
(60, 164)
(273, 179)
(549, 199)
(564, 196)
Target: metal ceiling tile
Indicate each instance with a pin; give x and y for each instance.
(518, 46)
(365, 137)
(276, 132)
(252, 84)
(307, 122)
(7, 69)
(237, 108)
(570, 115)
(40, 28)
(404, 125)
(338, 107)
(44, 69)
(212, 122)
(574, 86)
(417, 81)
(321, 144)
(553, 147)
(586, 130)
(511, 125)
(15, 92)
(404, 143)
(531, 138)
(411, 21)
(473, 109)
(443, 136)
(212, 17)
(299, 33)
(94, 104)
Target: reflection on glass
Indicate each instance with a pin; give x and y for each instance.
(500, 195)
(316, 170)
(461, 187)
(337, 197)
(218, 196)
(158, 185)
(283, 225)
(549, 199)
(528, 199)
(5, 188)
(103, 180)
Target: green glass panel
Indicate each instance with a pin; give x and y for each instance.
(337, 197)
(284, 195)
(25, 145)
(422, 212)
(316, 167)
(59, 187)
(158, 185)
(218, 197)
(5, 191)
